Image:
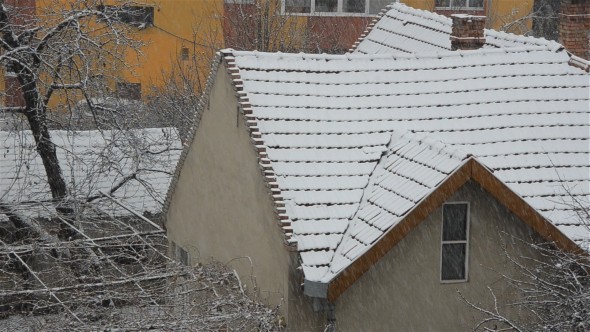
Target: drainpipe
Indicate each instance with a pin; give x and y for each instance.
(318, 291)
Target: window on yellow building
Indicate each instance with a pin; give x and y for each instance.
(139, 16)
(334, 6)
(184, 54)
(131, 91)
(459, 4)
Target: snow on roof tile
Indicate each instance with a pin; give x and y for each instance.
(403, 29)
(92, 161)
(327, 122)
(387, 199)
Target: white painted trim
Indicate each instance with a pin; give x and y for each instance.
(466, 242)
(338, 11)
(468, 7)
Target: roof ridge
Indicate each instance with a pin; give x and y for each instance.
(444, 148)
(402, 8)
(370, 184)
(425, 19)
(369, 28)
(509, 36)
(422, 139)
(392, 56)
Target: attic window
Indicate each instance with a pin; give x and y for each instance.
(139, 16)
(455, 238)
(459, 4)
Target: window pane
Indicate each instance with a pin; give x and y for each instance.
(476, 3)
(298, 6)
(353, 6)
(375, 6)
(454, 222)
(326, 6)
(459, 3)
(442, 3)
(453, 261)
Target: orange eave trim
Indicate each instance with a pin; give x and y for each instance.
(470, 170)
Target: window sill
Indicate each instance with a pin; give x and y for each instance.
(453, 281)
(459, 8)
(331, 14)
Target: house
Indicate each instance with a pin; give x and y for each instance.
(366, 190)
(403, 29)
(331, 26)
(134, 166)
(409, 30)
(165, 27)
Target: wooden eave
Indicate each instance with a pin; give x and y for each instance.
(469, 170)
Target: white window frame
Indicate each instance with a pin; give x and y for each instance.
(468, 7)
(466, 242)
(239, 2)
(338, 11)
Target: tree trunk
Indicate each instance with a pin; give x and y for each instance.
(37, 118)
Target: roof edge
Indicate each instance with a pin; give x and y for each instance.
(393, 236)
(471, 169)
(576, 61)
(370, 28)
(520, 208)
(266, 170)
(203, 101)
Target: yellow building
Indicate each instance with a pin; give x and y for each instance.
(184, 34)
(177, 34)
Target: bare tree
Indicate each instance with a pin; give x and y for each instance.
(73, 261)
(264, 25)
(116, 275)
(553, 290)
(54, 57)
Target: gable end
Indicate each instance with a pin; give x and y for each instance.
(470, 170)
(203, 101)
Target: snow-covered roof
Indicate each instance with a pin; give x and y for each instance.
(411, 167)
(332, 130)
(142, 160)
(403, 29)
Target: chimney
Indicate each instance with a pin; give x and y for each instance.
(467, 32)
(574, 27)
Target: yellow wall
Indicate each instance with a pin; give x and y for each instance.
(503, 14)
(180, 23)
(195, 25)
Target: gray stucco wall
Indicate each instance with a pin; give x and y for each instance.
(220, 208)
(403, 291)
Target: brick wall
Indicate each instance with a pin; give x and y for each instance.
(467, 32)
(14, 95)
(22, 13)
(574, 27)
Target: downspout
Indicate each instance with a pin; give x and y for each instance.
(318, 291)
